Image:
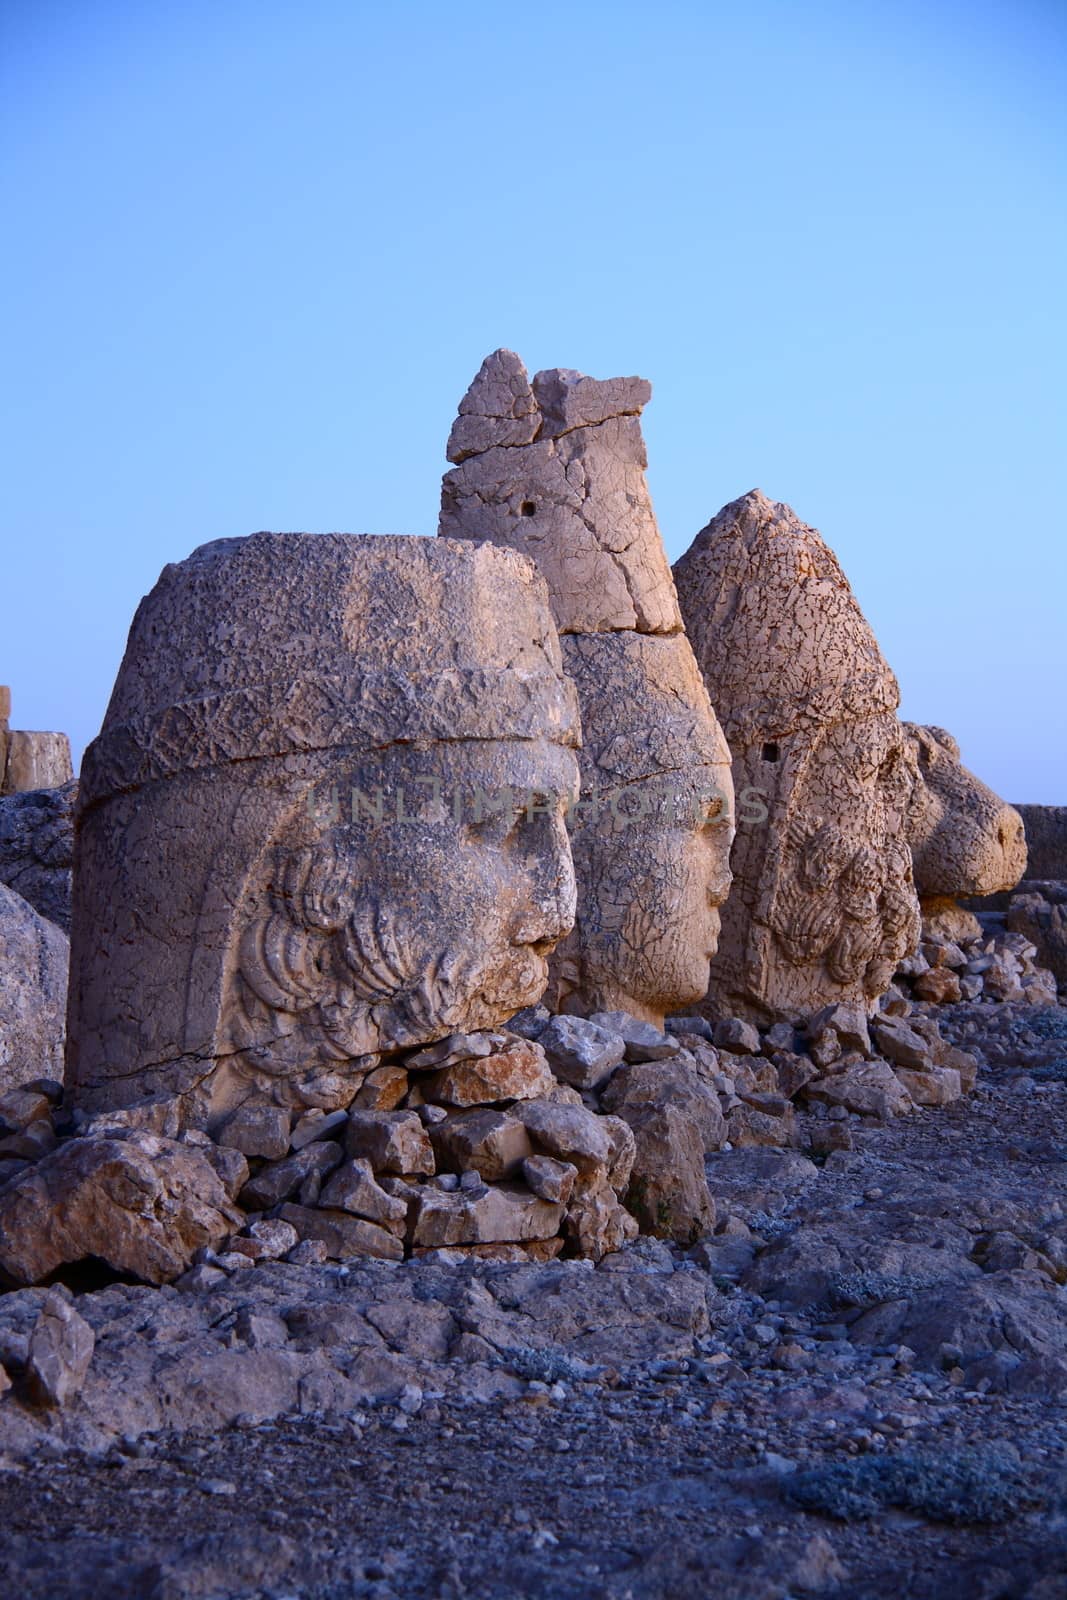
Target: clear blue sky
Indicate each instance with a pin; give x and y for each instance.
(256, 251)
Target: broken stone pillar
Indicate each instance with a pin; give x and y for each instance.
(555, 468)
(965, 840)
(823, 904)
(36, 761)
(326, 821)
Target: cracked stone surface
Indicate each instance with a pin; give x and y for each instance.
(293, 853)
(33, 993)
(823, 904)
(652, 835)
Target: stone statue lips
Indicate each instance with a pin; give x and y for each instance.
(261, 670)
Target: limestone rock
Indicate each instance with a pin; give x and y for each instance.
(144, 1205)
(498, 409)
(823, 905)
(519, 1072)
(900, 1042)
(392, 1141)
(330, 710)
(643, 1041)
(383, 1089)
(61, 1348)
(353, 1188)
(582, 1052)
(491, 1143)
(549, 1179)
(505, 1213)
(964, 839)
(673, 1083)
(668, 1190)
(622, 1152)
(37, 849)
(257, 1130)
(570, 1133)
(36, 761)
(937, 1086)
(280, 1179)
(595, 1222)
(737, 1035)
(33, 993)
(870, 1088)
(343, 1235)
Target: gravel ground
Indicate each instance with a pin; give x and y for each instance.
(798, 1445)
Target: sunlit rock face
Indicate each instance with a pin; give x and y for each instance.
(823, 904)
(554, 467)
(324, 818)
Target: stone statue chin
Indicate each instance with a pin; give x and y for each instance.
(324, 819)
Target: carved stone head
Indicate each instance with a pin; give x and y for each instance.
(324, 819)
(823, 904)
(555, 468)
(965, 840)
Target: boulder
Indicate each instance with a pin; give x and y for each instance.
(582, 1052)
(870, 1088)
(668, 1190)
(353, 1188)
(257, 1130)
(279, 1179)
(643, 1041)
(549, 1179)
(341, 1234)
(595, 1223)
(505, 1213)
(491, 1143)
(35, 761)
(141, 1204)
(570, 1133)
(900, 1043)
(668, 1083)
(392, 1141)
(519, 1072)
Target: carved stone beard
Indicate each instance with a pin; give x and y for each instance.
(326, 974)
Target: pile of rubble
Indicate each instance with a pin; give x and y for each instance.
(558, 1136)
(997, 963)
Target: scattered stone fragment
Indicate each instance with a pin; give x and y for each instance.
(582, 1052)
(937, 1086)
(342, 1234)
(280, 1179)
(549, 1179)
(506, 1213)
(392, 1141)
(519, 1072)
(668, 1082)
(899, 1042)
(353, 1188)
(383, 1089)
(643, 1041)
(668, 1191)
(870, 1088)
(60, 1350)
(257, 1130)
(740, 1037)
(570, 1133)
(492, 1143)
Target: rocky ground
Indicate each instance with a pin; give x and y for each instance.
(856, 1388)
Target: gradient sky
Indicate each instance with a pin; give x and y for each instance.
(256, 251)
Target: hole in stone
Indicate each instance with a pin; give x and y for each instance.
(770, 752)
(528, 508)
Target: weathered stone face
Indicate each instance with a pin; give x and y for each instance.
(555, 468)
(823, 903)
(965, 840)
(652, 834)
(326, 820)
